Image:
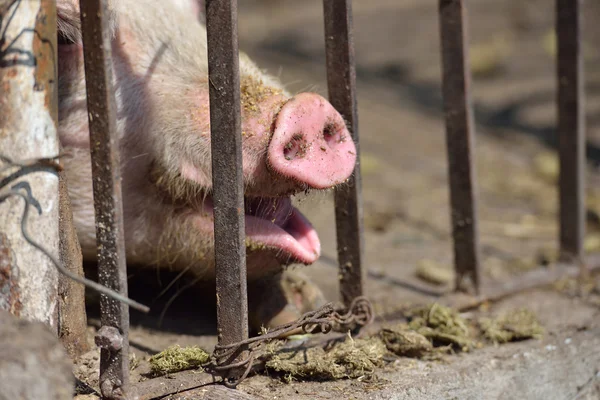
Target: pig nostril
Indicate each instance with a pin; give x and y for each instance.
(295, 148)
(332, 135)
(289, 151)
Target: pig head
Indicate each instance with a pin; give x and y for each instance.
(291, 144)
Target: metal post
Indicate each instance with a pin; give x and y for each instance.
(341, 83)
(113, 335)
(228, 190)
(571, 128)
(460, 138)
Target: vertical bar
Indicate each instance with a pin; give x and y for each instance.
(571, 127)
(228, 191)
(460, 138)
(341, 84)
(112, 272)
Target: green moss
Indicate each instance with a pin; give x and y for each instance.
(175, 358)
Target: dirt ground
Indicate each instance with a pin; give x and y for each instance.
(406, 211)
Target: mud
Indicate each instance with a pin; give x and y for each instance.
(253, 93)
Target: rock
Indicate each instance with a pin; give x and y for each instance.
(33, 362)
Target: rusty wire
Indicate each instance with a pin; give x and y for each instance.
(226, 358)
(50, 165)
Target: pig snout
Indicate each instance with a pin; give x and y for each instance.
(311, 144)
(161, 86)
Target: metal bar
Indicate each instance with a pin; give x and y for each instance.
(460, 139)
(571, 128)
(341, 84)
(112, 270)
(228, 190)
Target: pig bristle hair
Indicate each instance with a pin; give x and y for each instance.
(290, 83)
(311, 88)
(180, 275)
(68, 19)
(180, 245)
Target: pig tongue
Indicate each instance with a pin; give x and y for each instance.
(274, 222)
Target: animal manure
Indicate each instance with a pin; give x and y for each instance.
(511, 326)
(432, 272)
(350, 359)
(432, 331)
(441, 325)
(405, 342)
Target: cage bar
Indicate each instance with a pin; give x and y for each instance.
(460, 139)
(341, 85)
(228, 190)
(571, 128)
(108, 205)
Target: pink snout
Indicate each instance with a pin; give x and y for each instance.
(311, 144)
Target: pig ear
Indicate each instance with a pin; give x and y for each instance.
(68, 21)
(196, 7)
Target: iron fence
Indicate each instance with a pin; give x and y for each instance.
(225, 118)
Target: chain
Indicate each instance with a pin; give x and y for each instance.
(225, 358)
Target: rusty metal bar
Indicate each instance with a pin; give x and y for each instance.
(460, 139)
(341, 84)
(112, 270)
(228, 190)
(571, 128)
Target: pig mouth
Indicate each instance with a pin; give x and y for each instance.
(274, 223)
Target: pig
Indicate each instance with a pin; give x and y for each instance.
(291, 144)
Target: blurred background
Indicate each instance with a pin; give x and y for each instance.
(403, 156)
(408, 245)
